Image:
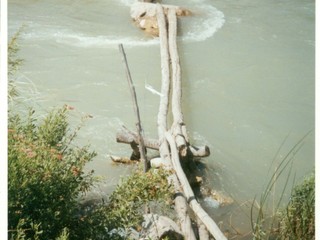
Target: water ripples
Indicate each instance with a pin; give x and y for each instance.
(205, 22)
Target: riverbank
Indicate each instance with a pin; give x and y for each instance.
(47, 177)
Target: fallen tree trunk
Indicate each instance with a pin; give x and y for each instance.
(196, 207)
(178, 139)
(181, 205)
(176, 86)
(165, 85)
(127, 136)
(203, 232)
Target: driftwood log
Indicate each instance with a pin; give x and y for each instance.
(181, 204)
(179, 131)
(124, 160)
(196, 207)
(177, 137)
(179, 134)
(127, 136)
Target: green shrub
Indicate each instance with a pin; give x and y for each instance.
(46, 177)
(298, 220)
(128, 199)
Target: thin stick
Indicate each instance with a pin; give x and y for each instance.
(136, 109)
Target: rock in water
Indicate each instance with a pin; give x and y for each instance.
(212, 203)
(144, 14)
(159, 227)
(159, 162)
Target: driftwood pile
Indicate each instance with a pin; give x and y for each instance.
(173, 142)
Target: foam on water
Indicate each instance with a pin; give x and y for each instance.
(205, 23)
(208, 20)
(77, 39)
(80, 40)
(200, 139)
(127, 3)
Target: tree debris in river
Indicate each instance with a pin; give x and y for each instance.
(175, 150)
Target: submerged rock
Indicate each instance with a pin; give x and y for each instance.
(215, 199)
(221, 198)
(212, 203)
(159, 227)
(159, 162)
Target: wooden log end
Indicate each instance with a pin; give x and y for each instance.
(180, 141)
(122, 160)
(203, 151)
(183, 151)
(124, 135)
(129, 137)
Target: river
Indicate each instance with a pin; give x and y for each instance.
(248, 71)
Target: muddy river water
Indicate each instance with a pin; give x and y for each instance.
(248, 71)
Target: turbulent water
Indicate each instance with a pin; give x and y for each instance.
(248, 81)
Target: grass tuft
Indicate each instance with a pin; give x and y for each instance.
(262, 223)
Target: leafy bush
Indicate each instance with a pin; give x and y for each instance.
(298, 220)
(128, 199)
(46, 177)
